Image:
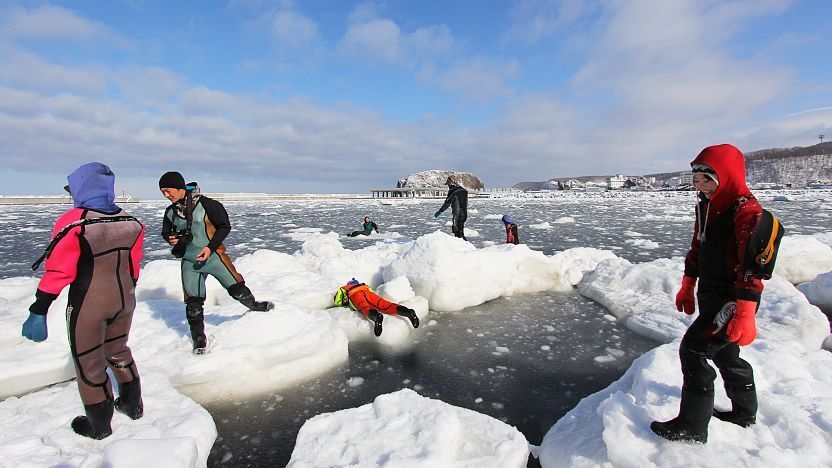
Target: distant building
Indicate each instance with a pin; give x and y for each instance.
(616, 182)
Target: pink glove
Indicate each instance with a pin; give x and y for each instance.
(742, 327)
(684, 298)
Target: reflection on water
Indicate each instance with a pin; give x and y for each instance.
(525, 360)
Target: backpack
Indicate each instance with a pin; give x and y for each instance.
(763, 245)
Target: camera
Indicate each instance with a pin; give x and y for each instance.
(184, 237)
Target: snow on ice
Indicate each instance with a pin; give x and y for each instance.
(406, 429)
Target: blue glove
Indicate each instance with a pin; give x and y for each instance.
(436, 215)
(34, 327)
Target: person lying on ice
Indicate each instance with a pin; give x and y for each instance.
(96, 250)
(368, 228)
(726, 215)
(195, 226)
(359, 296)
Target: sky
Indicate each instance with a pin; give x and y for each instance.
(332, 96)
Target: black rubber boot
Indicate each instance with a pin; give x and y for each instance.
(410, 314)
(692, 423)
(377, 318)
(241, 293)
(196, 321)
(129, 399)
(96, 424)
(744, 405)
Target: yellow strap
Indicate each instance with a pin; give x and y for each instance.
(766, 256)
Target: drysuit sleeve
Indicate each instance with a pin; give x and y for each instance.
(219, 219)
(167, 224)
(747, 216)
(62, 264)
(136, 255)
(692, 258)
(448, 199)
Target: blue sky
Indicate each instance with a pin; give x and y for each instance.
(326, 96)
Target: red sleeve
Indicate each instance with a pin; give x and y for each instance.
(136, 255)
(692, 258)
(62, 264)
(745, 220)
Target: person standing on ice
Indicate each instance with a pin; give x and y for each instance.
(457, 199)
(359, 296)
(196, 226)
(368, 228)
(726, 216)
(512, 236)
(96, 250)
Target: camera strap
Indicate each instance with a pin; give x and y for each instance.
(81, 222)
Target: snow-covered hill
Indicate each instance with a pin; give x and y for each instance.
(437, 178)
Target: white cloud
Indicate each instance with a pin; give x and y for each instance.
(293, 30)
(54, 23)
(535, 20)
(378, 38)
(29, 71)
(479, 79)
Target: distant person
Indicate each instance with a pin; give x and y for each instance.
(369, 226)
(358, 296)
(196, 226)
(457, 199)
(726, 215)
(512, 236)
(96, 250)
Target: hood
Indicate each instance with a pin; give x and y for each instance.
(92, 186)
(729, 164)
(507, 220)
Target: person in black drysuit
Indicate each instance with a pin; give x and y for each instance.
(368, 228)
(457, 199)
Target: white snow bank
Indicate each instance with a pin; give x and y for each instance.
(793, 376)
(453, 274)
(173, 429)
(801, 258)
(406, 429)
(254, 352)
(643, 295)
(819, 291)
(24, 364)
(612, 427)
(574, 263)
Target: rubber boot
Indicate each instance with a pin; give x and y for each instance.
(96, 424)
(241, 293)
(377, 318)
(196, 321)
(691, 425)
(410, 314)
(743, 403)
(129, 399)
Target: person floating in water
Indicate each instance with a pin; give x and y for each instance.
(196, 226)
(96, 250)
(512, 236)
(358, 296)
(369, 226)
(457, 200)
